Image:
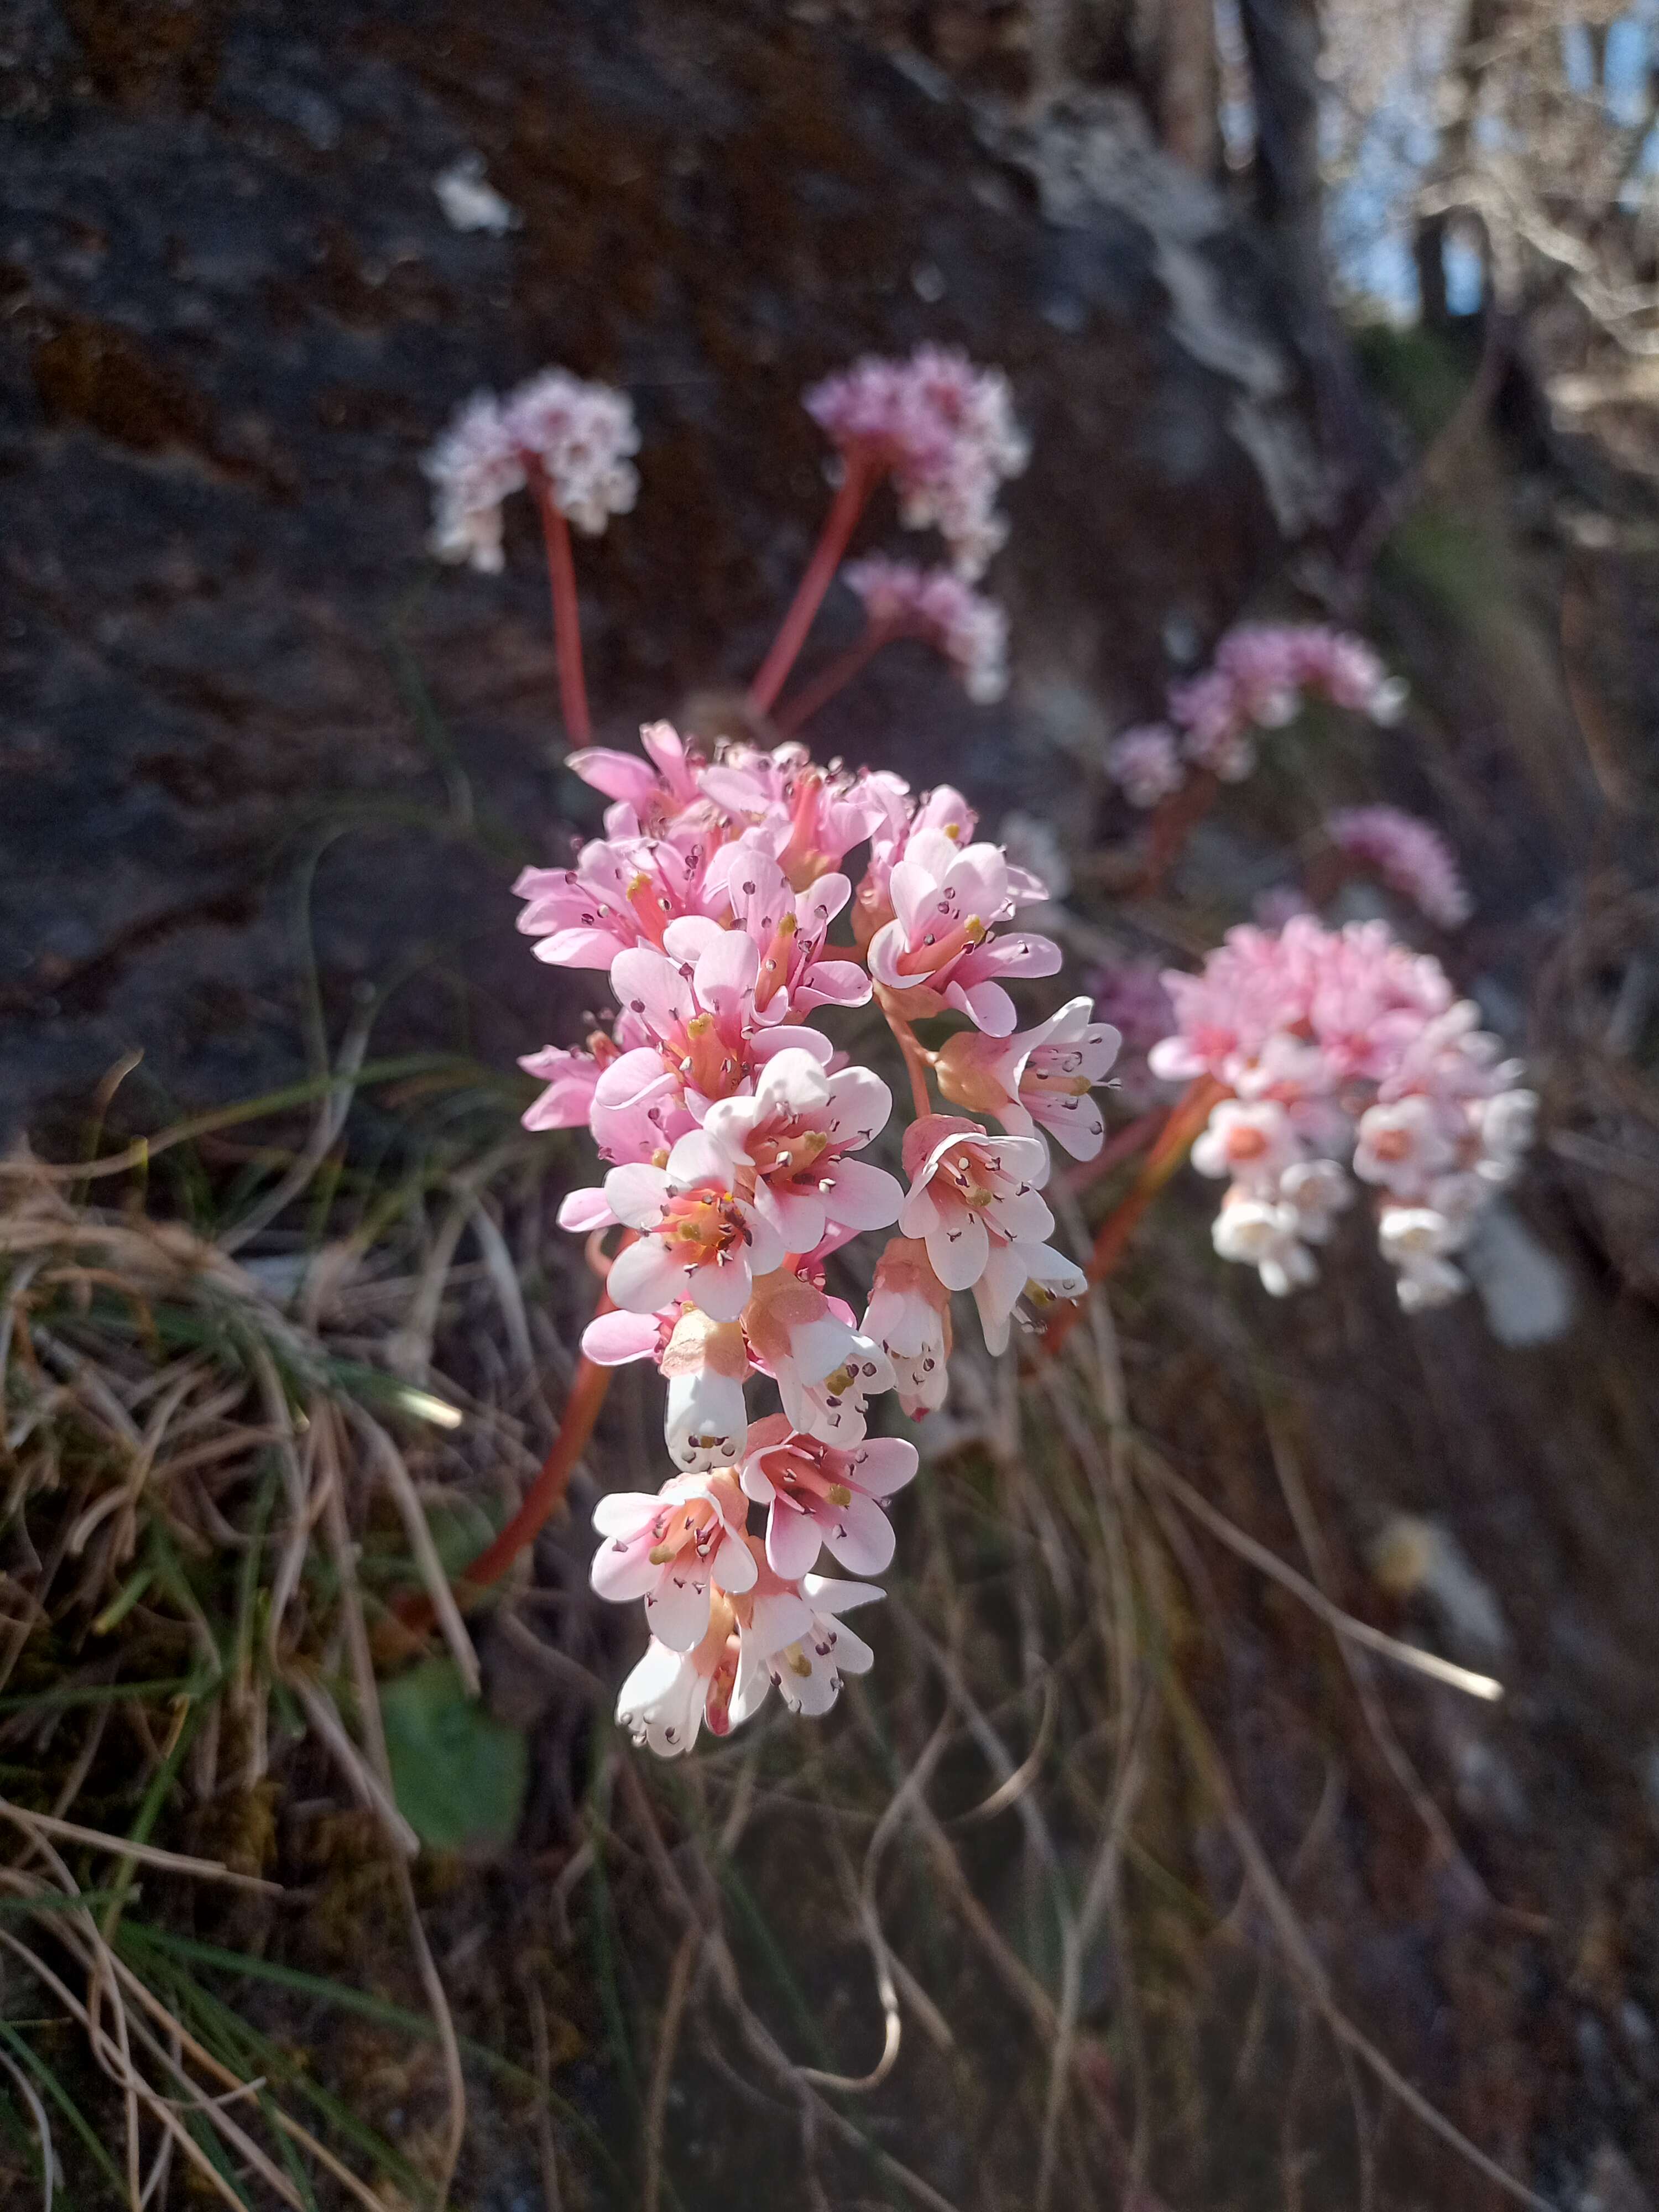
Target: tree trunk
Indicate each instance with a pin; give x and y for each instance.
(1282, 39)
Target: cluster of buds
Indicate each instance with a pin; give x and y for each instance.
(970, 630)
(1409, 855)
(570, 439)
(943, 430)
(1262, 675)
(737, 1137)
(1345, 1055)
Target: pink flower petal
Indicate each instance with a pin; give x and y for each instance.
(863, 1197)
(619, 775)
(883, 1465)
(861, 1536)
(987, 1005)
(583, 1211)
(792, 1541)
(621, 1573)
(610, 1340)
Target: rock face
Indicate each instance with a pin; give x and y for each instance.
(247, 726)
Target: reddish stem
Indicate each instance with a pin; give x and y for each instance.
(582, 1409)
(566, 621)
(1326, 873)
(842, 670)
(1191, 1112)
(916, 1058)
(838, 527)
(1174, 822)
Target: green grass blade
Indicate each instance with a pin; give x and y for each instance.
(90, 2140)
(105, 1694)
(382, 2011)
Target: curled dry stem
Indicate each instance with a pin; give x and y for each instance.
(705, 1917)
(891, 1820)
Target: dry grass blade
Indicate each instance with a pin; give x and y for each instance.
(1474, 1685)
(1098, 1895)
(504, 1281)
(1009, 1792)
(1358, 1666)
(1300, 1953)
(124, 1500)
(390, 1460)
(145, 1854)
(378, 1766)
(331, 1109)
(448, 2041)
(290, 2127)
(662, 2064)
(411, 1352)
(996, 1752)
(365, 1785)
(113, 2055)
(37, 2111)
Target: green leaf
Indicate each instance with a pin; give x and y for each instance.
(458, 1772)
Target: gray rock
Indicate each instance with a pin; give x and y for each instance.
(237, 315)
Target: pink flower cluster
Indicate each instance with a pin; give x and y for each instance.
(969, 629)
(1345, 1055)
(576, 437)
(1409, 855)
(736, 1138)
(946, 433)
(1146, 762)
(1262, 676)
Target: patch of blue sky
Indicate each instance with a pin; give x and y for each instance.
(1370, 214)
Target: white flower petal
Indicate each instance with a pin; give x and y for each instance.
(637, 1194)
(721, 1292)
(958, 1246)
(644, 1278)
(676, 1611)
